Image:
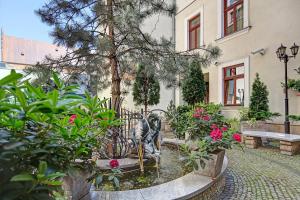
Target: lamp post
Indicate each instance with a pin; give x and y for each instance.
(283, 56)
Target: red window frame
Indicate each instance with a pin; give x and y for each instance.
(234, 78)
(193, 30)
(226, 10)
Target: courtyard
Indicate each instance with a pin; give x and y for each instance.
(262, 174)
(149, 100)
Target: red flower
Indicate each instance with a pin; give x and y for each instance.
(237, 137)
(114, 163)
(199, 110)
(72, 119)
(196, 115)
(206, 118)
(213, 126)
(216, 134)
(224, 128)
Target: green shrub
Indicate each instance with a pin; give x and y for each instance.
(259, 102)
(38, 126)
(193, 86)
(178, 119)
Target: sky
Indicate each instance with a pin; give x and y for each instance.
(17, 18)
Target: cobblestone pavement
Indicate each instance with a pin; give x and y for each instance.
(262, 174)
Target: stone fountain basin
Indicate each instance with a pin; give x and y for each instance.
(186, 187)
(124, 163)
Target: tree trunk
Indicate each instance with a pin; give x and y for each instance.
(115, 77)
(146, 95)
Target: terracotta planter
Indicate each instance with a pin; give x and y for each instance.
(298, 94)
(213, 166)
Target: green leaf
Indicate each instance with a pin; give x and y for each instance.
(13, 76)
(99, 180)
(56, 80)
(22, 177)
(53, 183)
(56, 175)
(111, 177)
(21, 98)
(42, 167)
(116, 182)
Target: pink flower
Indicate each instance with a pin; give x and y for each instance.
(206, 118)
(213, 126)
(237, 137)
(72, 119)
(196, 115)
(114, 163)
(224, 128)
(199, 110)
(216, 134)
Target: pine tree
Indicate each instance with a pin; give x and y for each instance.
(193, 87)
(105, 40)
(146, 89)
(259, 102)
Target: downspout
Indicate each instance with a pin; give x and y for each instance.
(174, 42)
(1, 45)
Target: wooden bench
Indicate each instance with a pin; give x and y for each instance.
(289, 143)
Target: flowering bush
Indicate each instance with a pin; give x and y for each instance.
(38, 126)
(203, 117)
(219, 138)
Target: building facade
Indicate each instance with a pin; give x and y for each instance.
(248, 32)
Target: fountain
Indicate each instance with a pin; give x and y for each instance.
(152, 168)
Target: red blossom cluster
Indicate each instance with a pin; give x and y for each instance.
(72, 119)
(237, 137)
(199, 114)
(114, 163)
(217, 133)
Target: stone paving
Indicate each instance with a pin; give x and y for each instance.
(262, 173)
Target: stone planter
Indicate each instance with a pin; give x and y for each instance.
(213, 166)
(168, 127)
(76, 185)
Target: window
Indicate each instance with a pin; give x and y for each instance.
(194, 32)
(233, 16)
(234, 85)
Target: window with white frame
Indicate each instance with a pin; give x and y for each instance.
(234, 86)
(194, 32)
(232, 16)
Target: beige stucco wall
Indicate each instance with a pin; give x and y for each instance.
(271, 22)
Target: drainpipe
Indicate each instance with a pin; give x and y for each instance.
(1, 45)
(174, 41)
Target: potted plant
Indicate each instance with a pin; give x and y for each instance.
(208, 156)
(294, 85)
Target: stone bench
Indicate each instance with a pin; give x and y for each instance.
(289, 143)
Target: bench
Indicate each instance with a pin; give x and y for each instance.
(289, 143)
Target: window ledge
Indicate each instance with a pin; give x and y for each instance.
(233, 35)
(229, 108)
